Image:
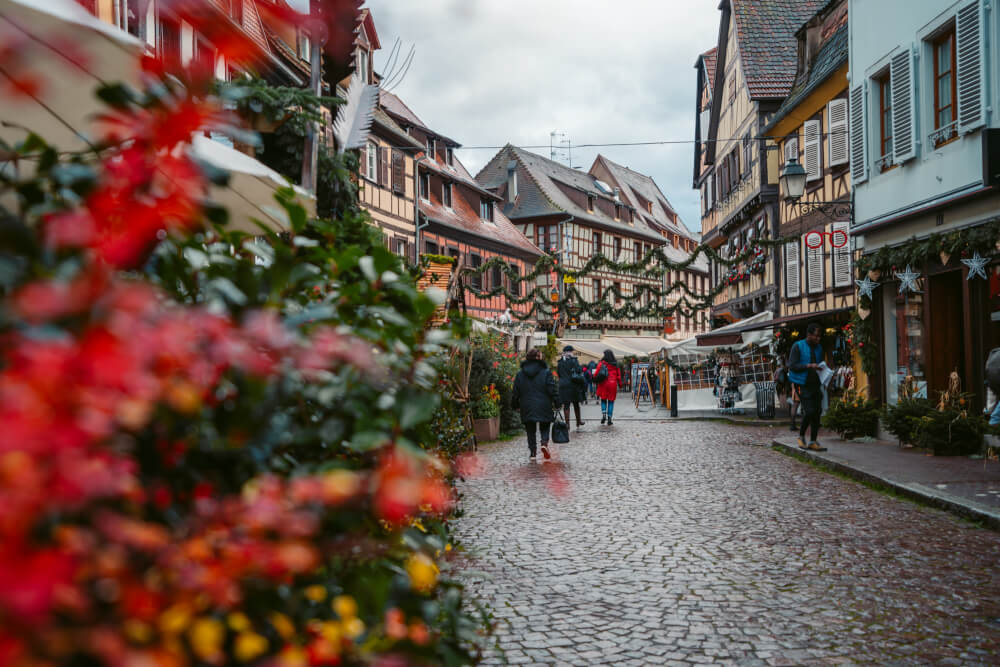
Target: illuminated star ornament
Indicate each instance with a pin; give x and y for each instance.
(908, 280)
(976, 265)
(866, 287)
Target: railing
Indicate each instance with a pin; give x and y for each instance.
(943, 134)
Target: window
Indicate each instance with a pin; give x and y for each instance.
(747, 152)
(885, 118)
(170, 44)
(618, 248)
(631, 215)
(945, 92)
(400, 248)
(425, 187)
(496, 277)
(813, 158)
(637, 250)
(547, 238)
(515, 285)
(363, 73)
(618, 211)
(446, 194)
(618, 292)
(431, 148)
(130, 16)
(431, 248)
(371, 161)
(590, 203)
(476, 279)
(598, 248)
(236, 10)
(449, 156)
(597, 290)
(486, 209)
(305, 47)
(453, 252)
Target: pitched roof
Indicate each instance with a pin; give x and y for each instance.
(831, 57)
(543, 196)
(398, 135)
(765, 32)
(709, 57)
(463, 217)
(395, 107)
(636, 187)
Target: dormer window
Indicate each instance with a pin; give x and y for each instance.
(649, 206)
(449, 156)
(363, 69)
(305, 47)
(446, 194)
(431, 148)
(486, 209)
(618, 211)
(425, 186)
(590, 203)
(631, 215)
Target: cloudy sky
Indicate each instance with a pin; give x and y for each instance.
(488, 72)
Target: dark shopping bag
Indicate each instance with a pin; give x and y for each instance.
(560, 429)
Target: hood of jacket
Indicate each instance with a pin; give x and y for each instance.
(533, 367)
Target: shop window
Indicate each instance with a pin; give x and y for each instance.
(910, 332)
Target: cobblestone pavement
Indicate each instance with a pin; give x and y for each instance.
(673, 543)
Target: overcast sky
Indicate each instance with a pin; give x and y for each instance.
(489, 72)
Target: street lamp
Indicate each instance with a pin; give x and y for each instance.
(792, 182)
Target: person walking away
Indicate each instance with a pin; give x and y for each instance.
(803, 371)
(607, 388)
(572, 384)
(593, 383)
(588, 376)
(535, 396)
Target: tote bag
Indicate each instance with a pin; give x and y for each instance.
(560, 429)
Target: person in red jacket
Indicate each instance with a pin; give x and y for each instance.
(607, 390)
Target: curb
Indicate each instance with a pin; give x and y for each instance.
(948, 503)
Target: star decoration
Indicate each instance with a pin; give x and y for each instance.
(908, 280)
(866, 287)
(976, 265)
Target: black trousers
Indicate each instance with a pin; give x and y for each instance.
(576, 409)
(543, 430)
(812, 407)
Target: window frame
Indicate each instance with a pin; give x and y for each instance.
(447, 194)
(371, 162)
(424, 186)
(590, 203)
(303, 44)
(486, 205)
(364, 65)
(597, 241)
(948, 34)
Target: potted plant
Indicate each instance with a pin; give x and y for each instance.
(852, 416)
(486, 414)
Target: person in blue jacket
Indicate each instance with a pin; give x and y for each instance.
(803, 371)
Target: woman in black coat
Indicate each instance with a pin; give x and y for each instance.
(572, 384)
(535, 395)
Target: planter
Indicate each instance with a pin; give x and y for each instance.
(486, 430)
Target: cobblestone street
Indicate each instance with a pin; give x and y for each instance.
(688, 542)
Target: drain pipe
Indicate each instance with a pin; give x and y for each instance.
(416, 209)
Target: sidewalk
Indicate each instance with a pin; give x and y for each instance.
(963, 486)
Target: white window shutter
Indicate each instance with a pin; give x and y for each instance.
(841, 256)
(792, 148)
(971, 64)
(814, 269)
(904, 127)
(859, 139)
(793, 269)
(838, 145)
(811, 159)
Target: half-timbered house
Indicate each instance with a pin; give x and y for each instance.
(755, 66)
(643, 194)
(572, 215)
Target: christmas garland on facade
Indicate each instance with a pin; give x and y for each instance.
(984, 239)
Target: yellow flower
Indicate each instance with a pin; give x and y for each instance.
(283, 625)
(423, 572)
(345, 606)
(175, 619)
(354, 627)
(330, 631)
(447, 547)
(137, 631)
(238, 621)
(249, 645)
(206, 636)
(316, 593)
(293, 656)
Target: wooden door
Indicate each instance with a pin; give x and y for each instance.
(945, 329)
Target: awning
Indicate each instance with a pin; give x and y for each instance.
(64, 106)
(788, 319)
(732, 334)
(622, 346)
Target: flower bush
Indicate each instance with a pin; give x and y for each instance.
(903, 418)
(487, 405)
(495, 364)
(852, 415)
(950, 430)
(217, 447)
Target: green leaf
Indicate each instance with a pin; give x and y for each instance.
(417, 408)
(366, 441)
(116, 95)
